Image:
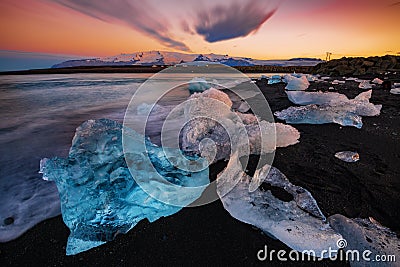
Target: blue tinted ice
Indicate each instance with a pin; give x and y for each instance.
(274, 79)
(99, 196)
(328, 108)
(313, 114)
(197, 85)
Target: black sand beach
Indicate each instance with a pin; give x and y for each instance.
(208, 235)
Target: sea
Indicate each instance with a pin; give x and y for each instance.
(39, 115)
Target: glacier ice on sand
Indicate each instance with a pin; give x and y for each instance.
(294, 83)
(290, 215)
(100, 187)
(319, 98)
(347, 156)
(377, 81)
(364, 84)
(198, 85)
(366, 234)
(314, 114)
(333, 108)
(229, 130)
(274, 79)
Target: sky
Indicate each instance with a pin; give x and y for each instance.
(262, 29)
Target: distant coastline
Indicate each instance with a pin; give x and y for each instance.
(151, 69)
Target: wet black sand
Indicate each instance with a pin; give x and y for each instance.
(208, 235)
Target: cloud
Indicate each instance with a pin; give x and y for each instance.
(136, 14)
(239, 19)
(186, 28)
(395, 4)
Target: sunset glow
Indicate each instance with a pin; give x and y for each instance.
(307, 28)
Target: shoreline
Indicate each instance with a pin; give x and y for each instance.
(208, 234)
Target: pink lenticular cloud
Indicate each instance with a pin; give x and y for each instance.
(224, 22)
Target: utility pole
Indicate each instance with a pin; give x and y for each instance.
(328, 56)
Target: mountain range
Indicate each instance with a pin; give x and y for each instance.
(158, 58)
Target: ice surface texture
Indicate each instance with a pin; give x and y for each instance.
(198, 85)
(230, 131)
(331, 108)
(299, 83)
(395, 91)
(318, 98)
(99, 196)
(347, 156)
(377, 81)
(367, 234)
(364, 84)
(279, 208)
(274, 79)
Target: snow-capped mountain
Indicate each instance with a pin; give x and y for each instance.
(171, 58)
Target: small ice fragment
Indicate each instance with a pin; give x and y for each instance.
(377, 81)
(263, 77)
(365, 85)
(311, 78)
(297, 84)
(365, 235)
(337, 82)
(274, 79)
(348, 156)
(198, 85)
(395, 91)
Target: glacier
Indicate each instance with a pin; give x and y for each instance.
(100, 185)
(329, 108)
(276, 206)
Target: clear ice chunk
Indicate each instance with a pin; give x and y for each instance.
(314, 114)
(395, 91)
(277, 207)
(377, 81)
(209, 116)
(365, 85)
(319, 98)
(274, 79)
(333, 108)
(347, 156)
(296, 83)
(99, 196)
(366, 234)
